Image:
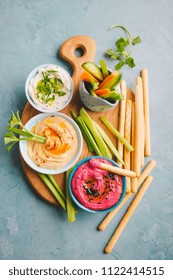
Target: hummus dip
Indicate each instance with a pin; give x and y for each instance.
(60, 146)
(95, 188)
(50, 88)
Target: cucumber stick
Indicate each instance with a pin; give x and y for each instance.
(109, 142)
(101, 144)
(70, 207)
(116, 133)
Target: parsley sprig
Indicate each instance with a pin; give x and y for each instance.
(121, 52)
(49, 87)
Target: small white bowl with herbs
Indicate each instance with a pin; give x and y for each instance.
(49, 88)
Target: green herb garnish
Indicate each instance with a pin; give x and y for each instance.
(49, 87)
(11, 139)
(121, 53)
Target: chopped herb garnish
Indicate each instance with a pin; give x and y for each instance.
(48, 87)
(52, 71)
(120, 53)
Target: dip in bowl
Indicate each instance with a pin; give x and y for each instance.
(49, 88)
(62, 147)
(93, 189)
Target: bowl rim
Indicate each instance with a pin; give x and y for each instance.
(23, 144)
(75, 199)
(32, 74)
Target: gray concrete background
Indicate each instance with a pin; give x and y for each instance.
(31, 33)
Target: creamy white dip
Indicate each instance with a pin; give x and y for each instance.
(50, 100)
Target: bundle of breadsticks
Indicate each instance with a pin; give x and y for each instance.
(134, 125)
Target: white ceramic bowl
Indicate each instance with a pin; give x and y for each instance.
(23, 145)
(32, 74)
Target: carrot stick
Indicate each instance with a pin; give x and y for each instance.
(108, 78)
(147, 147)
(128, 215)
(101, 92)
(103, 225)
(85, 76)
(139, 82)
(122, 119)
(138, 122)
(127, 135)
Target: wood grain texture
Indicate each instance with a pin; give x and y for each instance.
(67, 53)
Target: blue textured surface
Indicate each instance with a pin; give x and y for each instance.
(31, 34)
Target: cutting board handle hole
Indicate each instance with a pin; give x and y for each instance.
(79, 52)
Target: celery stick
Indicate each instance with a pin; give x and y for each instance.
(116, 133)
(108, 142)
(74, 116)
(90, 137)
(70, 206)
(52, 179)
(53, 190)
(101, 144)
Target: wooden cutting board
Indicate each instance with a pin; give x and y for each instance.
(67, 52)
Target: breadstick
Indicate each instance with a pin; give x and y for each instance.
(128, 214)
(122, 119)
(139, 82)
(138, 122)
(146, 172)
(117, 170)
(134, 185)
(141, 179)
(111, 214)
(133, 134)
(127, 135)
(133, 180)
(147, 147)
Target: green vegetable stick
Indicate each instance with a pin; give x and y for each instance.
(10, 138)
(109, 142)
(116, 133)
(104, 68)
(101, 144)
(52, 179)
(53, 190)
(70, 206)
(74, 116)
(90, 137)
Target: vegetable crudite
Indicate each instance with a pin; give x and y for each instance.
(100, 82)
(100, 131)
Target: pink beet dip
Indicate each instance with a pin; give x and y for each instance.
(95, 188)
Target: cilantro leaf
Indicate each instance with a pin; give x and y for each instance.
(119, 65)
(121, 53)
(136, 40)
(110, 52)
(130, 62)
(121, 44)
